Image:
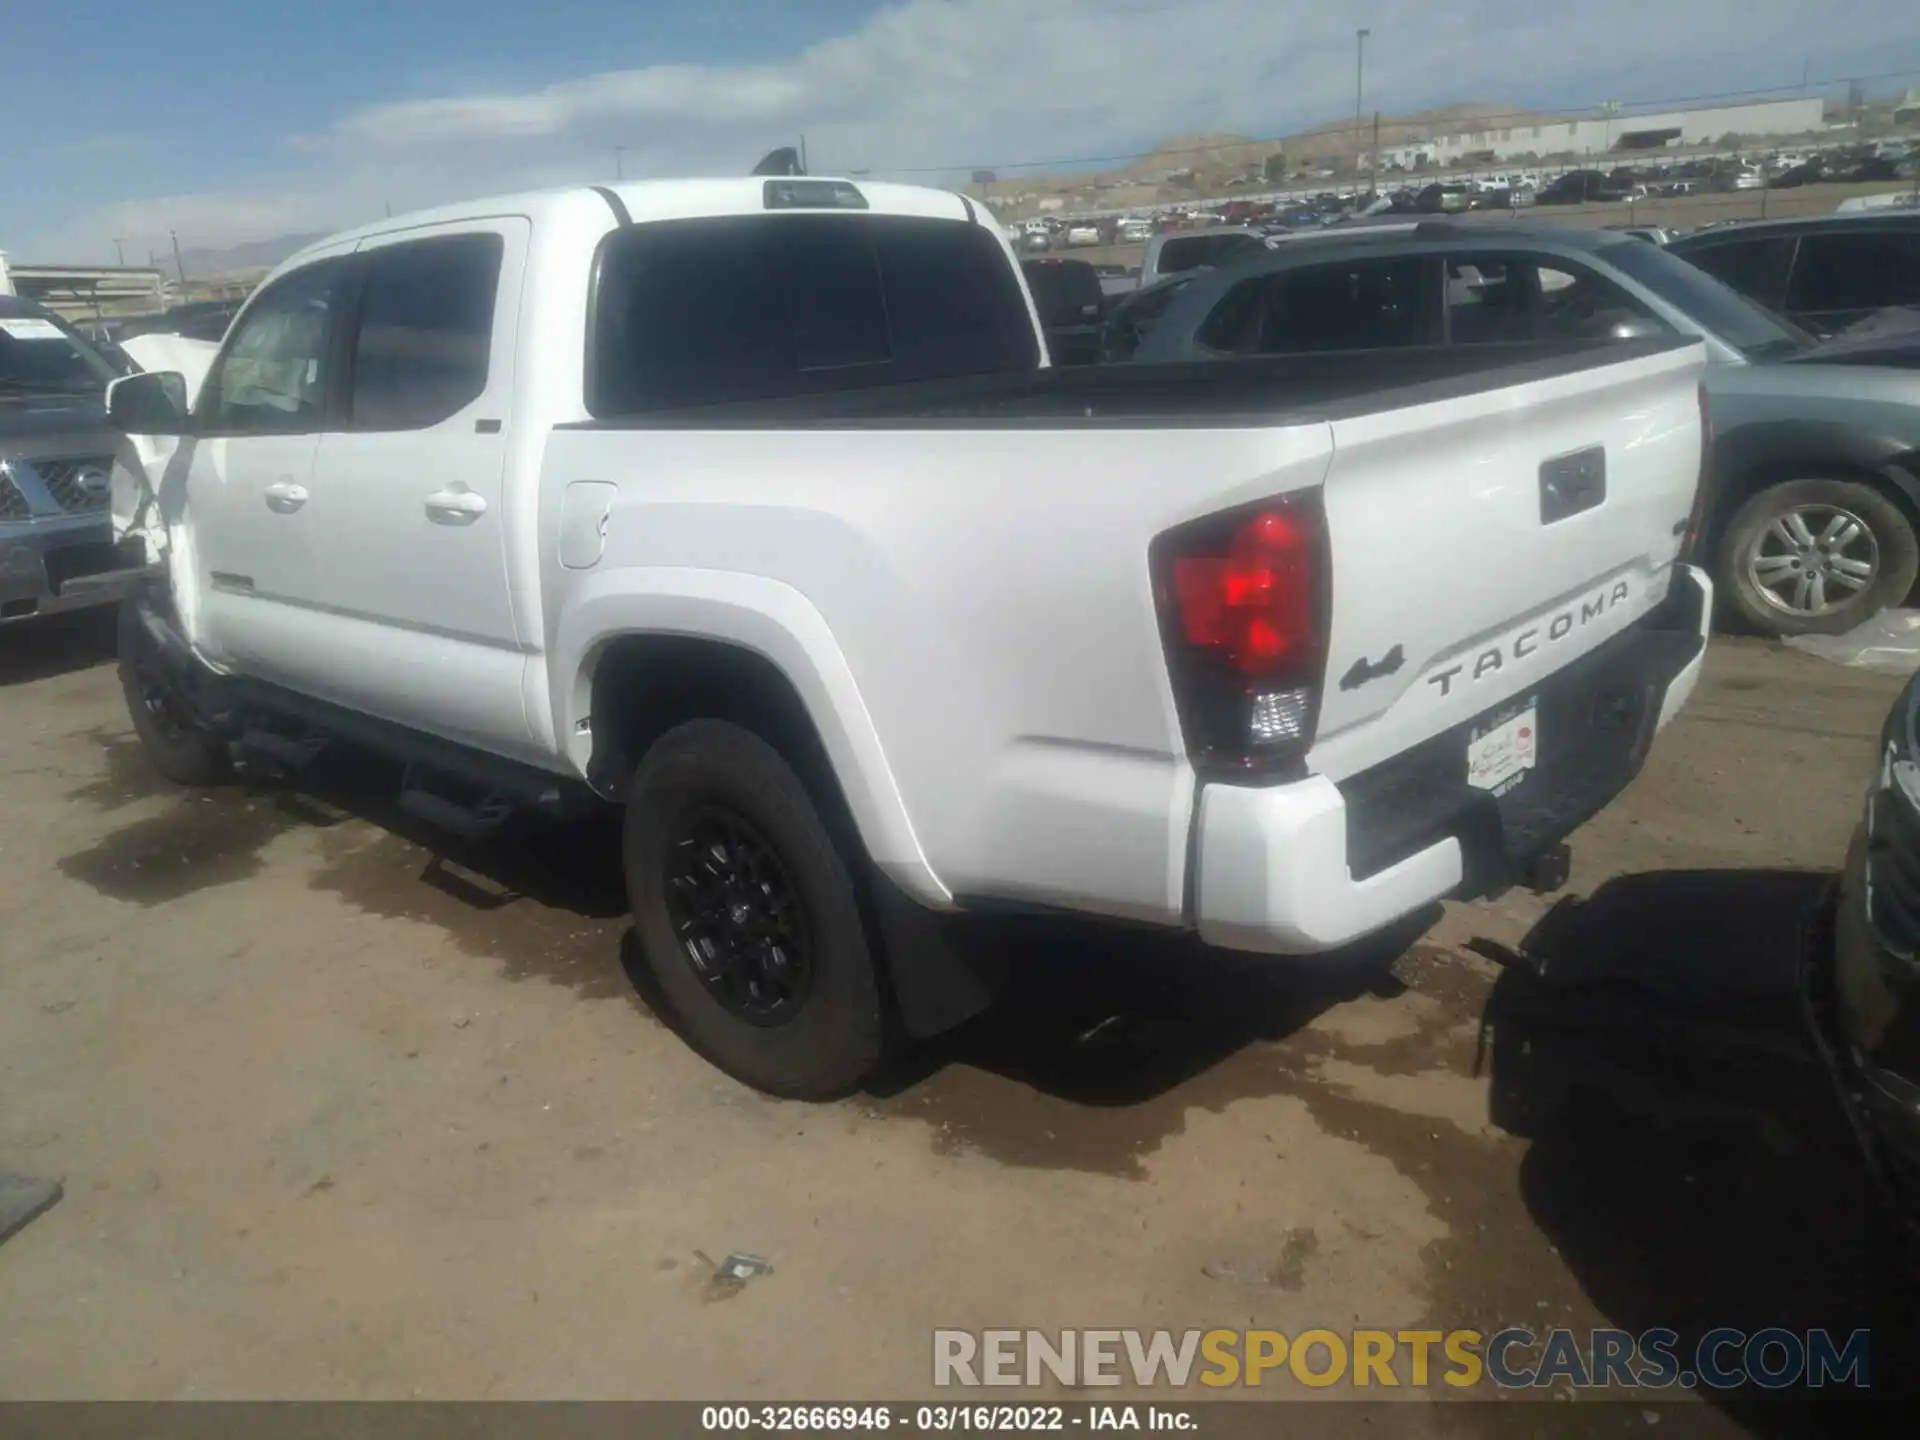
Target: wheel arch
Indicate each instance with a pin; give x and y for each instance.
(642, 651)
(1751, 458)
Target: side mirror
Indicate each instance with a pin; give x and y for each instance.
(153, 402)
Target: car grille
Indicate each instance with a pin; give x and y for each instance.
(13, 505)
(63, 481)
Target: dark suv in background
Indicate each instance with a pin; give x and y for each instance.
(1824, 272)
(57, 458)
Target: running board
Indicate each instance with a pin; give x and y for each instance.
(474, 821)
(284, 753)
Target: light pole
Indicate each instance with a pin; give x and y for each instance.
(619, 162)
(1359, 85)
(120, 252)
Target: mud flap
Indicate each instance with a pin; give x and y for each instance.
(938, 979)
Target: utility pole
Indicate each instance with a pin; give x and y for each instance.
(1373, 162)
(619, 162)
(120, 252)
(803, 156)
(179, 268)
(1359, 84)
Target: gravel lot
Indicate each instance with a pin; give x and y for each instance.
(337, 1118)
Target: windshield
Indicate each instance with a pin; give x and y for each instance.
(38, 354)
(1753, 330)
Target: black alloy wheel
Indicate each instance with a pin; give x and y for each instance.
(738, 916)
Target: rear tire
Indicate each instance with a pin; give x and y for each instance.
(748, 917)
(1765, 554)
(178, 745)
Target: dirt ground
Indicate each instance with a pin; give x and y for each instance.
(338, 1118)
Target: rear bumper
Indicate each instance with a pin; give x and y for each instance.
(40, 558)
(1306, 867)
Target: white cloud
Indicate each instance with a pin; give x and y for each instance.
(962, 83)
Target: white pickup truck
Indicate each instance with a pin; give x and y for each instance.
(753, 506)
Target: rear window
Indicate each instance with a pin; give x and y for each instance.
(702, 312)
(1189, 252)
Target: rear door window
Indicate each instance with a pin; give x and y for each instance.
(1576, 304)
(1190, 252)
(1350, 305)
(1489, 300)
(1757, 268)
(707, 311)
(1844, 276)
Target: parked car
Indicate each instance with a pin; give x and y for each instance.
(1815, 457)
(1068, 295)
(196, 320)
(780, 534)
(1443, 199)
(1579, 187)
(1823, 272)
(1196, 249)
(1863, 981)
(1133, 231)
(57, 461)
(1082, 235)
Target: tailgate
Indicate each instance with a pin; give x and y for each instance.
(1481, 542)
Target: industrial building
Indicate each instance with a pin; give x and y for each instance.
(1609, 131)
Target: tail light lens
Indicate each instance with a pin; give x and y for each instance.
(1243, 615)
(1697, 519)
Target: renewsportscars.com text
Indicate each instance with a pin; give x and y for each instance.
(1512, 1358)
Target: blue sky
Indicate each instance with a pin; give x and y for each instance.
(236, 122)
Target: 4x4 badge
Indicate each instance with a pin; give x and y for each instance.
(1364, 669)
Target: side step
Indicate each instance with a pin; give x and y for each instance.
(470, 820)
(284, 754)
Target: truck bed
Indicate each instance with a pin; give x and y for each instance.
(1212, 394)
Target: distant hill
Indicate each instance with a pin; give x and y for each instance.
(209, 264)
(1214, 164)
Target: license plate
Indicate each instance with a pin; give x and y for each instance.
(1500, 754)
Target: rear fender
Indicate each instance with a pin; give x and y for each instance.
(782, 626)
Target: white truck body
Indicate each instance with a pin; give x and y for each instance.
(957, 586)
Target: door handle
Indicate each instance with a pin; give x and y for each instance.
(455, 507)
(284, 497)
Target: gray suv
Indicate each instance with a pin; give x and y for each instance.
(1814, 478)
(57, 459)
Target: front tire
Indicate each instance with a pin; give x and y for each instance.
(1817, 557)
(748, 916)
(178, 745)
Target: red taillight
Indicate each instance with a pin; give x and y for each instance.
(1254, 604)
(1243, 605)
(1697, 517)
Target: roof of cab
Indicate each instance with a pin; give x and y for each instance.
(647, 200)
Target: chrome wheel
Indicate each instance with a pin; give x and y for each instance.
(1814, 559)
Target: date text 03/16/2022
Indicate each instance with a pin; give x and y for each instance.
(945, 1418)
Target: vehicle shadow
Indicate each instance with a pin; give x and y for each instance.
(58, 645)
(1688, 1158)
